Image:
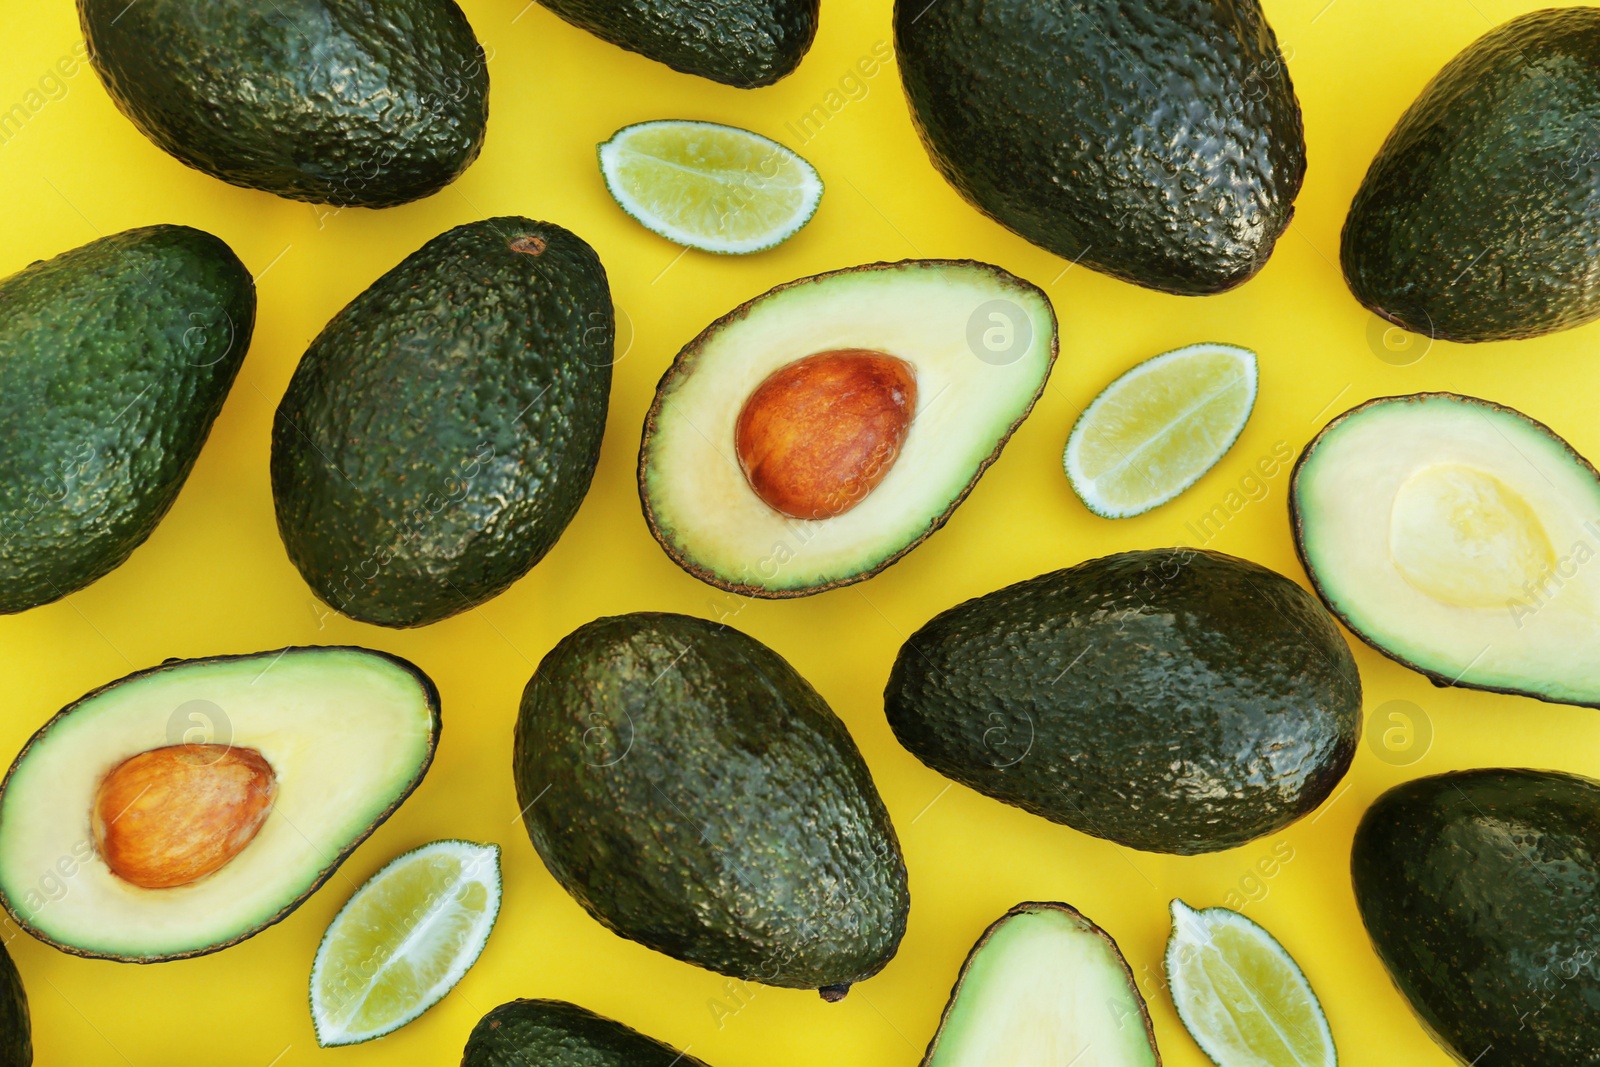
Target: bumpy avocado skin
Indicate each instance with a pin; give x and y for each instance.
(553, 1033)
(442, 430)
(117, 358)
(369, 103)
(743, 43)
(695, 794)
(1481, 891)
(1170, 700)
(1159, 142)
(1480, 215)
(16, 1030)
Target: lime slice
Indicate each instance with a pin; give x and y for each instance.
(1240, 995)
(1154, 431)
(715, 188)
(404, 940)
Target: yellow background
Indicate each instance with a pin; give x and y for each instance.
(214, 578)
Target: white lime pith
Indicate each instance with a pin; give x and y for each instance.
(404, 940)
(711, 187)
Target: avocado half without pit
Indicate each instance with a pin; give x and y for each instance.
(185, 808)
(813, 436)
(1459, 538)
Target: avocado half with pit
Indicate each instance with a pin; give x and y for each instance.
(1457, 537)
(185, 808)
(816, 434)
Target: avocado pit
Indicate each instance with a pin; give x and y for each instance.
(821, 433)
(174, 815)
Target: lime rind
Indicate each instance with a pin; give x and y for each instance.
(480, 865)
(1165, 364)
(735, 189)
(1194, 931)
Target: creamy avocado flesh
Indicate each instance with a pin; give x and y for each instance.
(813, 436)
(1458, 537)
(184, 808)
(1044, 985)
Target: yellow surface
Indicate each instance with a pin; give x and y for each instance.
(214, 578)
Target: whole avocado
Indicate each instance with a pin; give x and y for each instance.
(696, 795)
(369, 104)
(553, 1033)
(1173, 700)
(442, 430)
(1481, 892)
(1479, 218)
(16, 1030)
(743, 43)
(117, 358)
(1157, 141)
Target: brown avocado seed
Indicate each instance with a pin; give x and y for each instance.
(820, 433)
(173, 815)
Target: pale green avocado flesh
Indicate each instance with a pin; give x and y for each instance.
(349, 734)
(1460, 538)
(981, 343)
(1044, 985)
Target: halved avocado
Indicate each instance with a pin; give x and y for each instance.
(1044, 985)
(816, 434)
(257, 774)
(1457, 537)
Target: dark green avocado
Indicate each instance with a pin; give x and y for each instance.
(1160, 143)
(696, 795)
(1170, 700)
(440, 433)
(16, 1031)
(369, 104)
(553, 1033)
(743, 43)
(1481, 890)
(117, 357)
(1480, 217)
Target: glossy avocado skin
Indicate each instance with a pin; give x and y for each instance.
(743, 43)
(372, 103)
(117, 358)
(16, 1030)
(1479, 889)
(695, 794)
(442, 430)
(553, 1033)
(1169, 700)
(1479, 217)
(1158, 142)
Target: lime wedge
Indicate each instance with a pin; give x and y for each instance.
(1240, 995)
(715, 188)
(1154, 431)
(404, 940)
